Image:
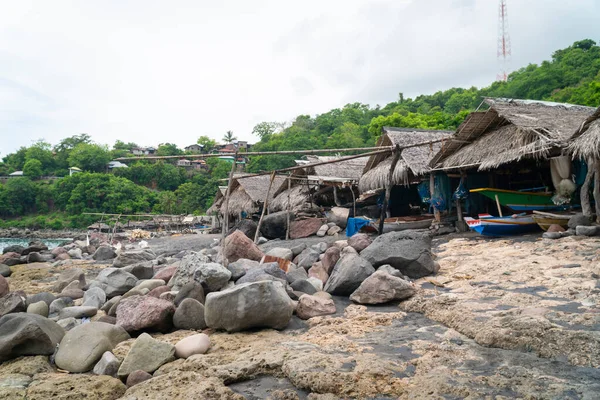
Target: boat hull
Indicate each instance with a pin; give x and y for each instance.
(520, 201)
(502, 226)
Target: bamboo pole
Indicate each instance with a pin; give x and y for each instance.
(597, 189)
(289, 206)
(498, 205)
(388, 189)
(264, 209)
(226, 201)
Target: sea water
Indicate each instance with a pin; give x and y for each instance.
(51, 243)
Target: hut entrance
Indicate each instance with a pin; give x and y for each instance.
(405, 200)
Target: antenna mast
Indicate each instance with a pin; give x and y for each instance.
(504, 49)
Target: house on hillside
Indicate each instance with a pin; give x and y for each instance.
(184, 163)
(143, 151)
(194, 148)
(515, 145)
(116, 164)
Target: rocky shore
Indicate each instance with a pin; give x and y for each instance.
(398, 316)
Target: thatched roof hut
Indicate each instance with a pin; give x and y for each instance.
(510, 130)
(413, 161)
(346, 172)
(248, 194)
(585, 143)
(218, 201)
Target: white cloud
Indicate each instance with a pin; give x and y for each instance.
(157, 71)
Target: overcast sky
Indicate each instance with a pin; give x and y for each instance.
(169, 71)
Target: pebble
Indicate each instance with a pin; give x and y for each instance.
(136, 377)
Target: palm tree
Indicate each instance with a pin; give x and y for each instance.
(228, 137)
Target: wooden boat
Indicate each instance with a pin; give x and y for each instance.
(520, 201)
(489, 225)
(395, 224)
(545, 219)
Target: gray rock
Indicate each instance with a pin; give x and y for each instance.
(333, 230)
(107, 365)
(307, 258)
(94, 297)
(262, 240)
(316, 282)
(143, 270)
(295, 274)
(137, 377)
(269, 271)
(115, 281)
(579, 220)
(281, 252)
(212, 276)
(247, 226)
(262, 304)
(77, 312)
(320, 247)
(298, 249)
(407, 251)
(46, 297)
(552, 235)
(75, 253)
(391, 270)
(304, 286)
(136, 292)
(146, 354)
(187, 267)
(133, 257)
(587, 230)
(11, 303)
(15, 248)
(382, 287)
(69, 276)
(274, 225)
(39, 308)
(104, 253)
(189, 315)
(35, 257)
(57, 305)
(83, 346)
(191, 290)
(68, 323)
(24, 334)
(36, 246)
(110, 303)
(72, 293)
(347, 275)
(5, 270)
(322, 230)
(237, 270)
(150, 284)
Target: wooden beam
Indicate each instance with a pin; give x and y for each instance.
(265, 206)
(586, 207)
(226, 201)
(388, 189)
(289, 207)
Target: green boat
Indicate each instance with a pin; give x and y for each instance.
(520, 201)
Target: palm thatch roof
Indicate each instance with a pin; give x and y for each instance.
(509, 131)
(413, 161)
(218, 201)
(585, 143)
(248, 193)
(298, 199)
(348, 171)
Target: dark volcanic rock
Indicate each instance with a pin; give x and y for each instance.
(274, 225)
(246, 226)
(25, 334)
(347, 275)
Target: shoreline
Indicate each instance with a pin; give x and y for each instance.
(19, 233)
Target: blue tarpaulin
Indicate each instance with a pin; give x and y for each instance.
(355, 225)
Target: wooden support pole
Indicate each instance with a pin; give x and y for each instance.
(436, 212)
(226, 201)
(289, 207)
(498, 205)
(586, 207)
(264, 209)
(597, 188)
(388, 189)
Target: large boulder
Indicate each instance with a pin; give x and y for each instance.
(237, 246)
(274, 226)
(305, 228)
(579, 220)
(212, 276)
(115, 281)
(146, 354)
(359, 242)
(347, 275)
(186, 269)
(145, 312)
(34, 247)
(25, 334)
(189, 315)
(295, 273)
(191, 290)
(12, 303)
(263, 304)
(408, 251)
(269, 272)
(133, 257)
(15, 248)
(304, 286)
(68, 276)
(314, 306)
(11, 258)
(143, 270)
(104, 253)
(382, 287)
(246, 226)
(83, 346)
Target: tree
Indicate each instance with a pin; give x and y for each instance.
(229, 137)
(42, 151)
(33, 168)
(207, 142)
(264, 130)
(64, 147)
(90, 157)
(168, 149)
